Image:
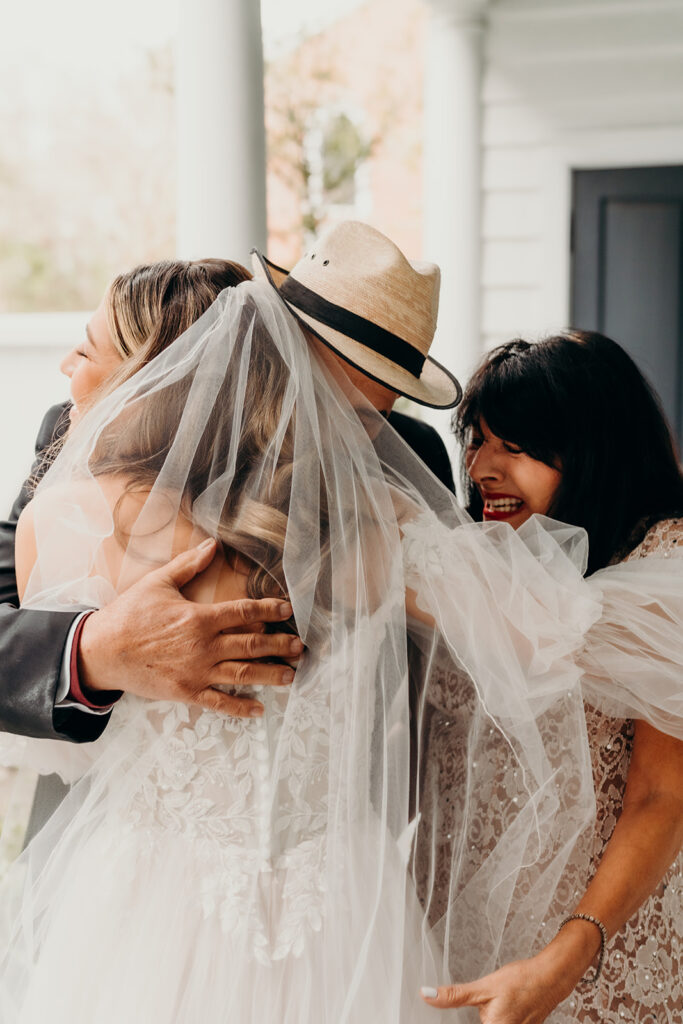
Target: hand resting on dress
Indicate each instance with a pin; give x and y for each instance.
(154, 642)
(157, 642)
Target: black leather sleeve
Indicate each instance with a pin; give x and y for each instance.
(31, 650)
(32, 642)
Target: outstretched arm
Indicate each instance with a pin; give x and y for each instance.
(645, 841)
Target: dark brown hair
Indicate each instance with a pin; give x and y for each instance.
(577, 401)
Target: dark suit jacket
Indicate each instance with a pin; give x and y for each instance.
(426, 443)
(32, 642)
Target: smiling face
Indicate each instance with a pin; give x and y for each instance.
(512, 485)
(91, 363)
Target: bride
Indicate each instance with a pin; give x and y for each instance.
(219, 869)
(205, 867)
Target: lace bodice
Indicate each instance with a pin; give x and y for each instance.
(664, 540)
(642, 977)
(247, 801)
(249, 797)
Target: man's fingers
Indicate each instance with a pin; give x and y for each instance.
(447, 996)
(185, 566)
(231, 614)
(251, 673)
(227, 704)
(243, 646)
(253, 627)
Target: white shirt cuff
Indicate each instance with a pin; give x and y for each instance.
(62, 699)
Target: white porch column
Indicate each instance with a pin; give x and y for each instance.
(221, 197)
(452, 175)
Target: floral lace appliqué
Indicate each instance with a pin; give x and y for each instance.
(249, 800)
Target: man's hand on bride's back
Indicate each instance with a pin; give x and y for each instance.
(153, 642)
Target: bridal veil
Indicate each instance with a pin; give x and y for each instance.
(297, 868)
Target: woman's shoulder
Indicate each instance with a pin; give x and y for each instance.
(663, 539)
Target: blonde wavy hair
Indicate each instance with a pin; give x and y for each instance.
(150, 306)
(147, 308)
(252, 527)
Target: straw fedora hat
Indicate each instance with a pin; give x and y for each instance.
(356, 291)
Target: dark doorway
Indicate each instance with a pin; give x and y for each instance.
(627, 269)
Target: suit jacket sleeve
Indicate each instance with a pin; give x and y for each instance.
(32, 643)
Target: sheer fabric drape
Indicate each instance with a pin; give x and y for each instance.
(215, 869)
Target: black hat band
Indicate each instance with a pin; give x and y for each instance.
(384, 343)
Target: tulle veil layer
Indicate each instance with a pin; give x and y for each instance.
(299, 868)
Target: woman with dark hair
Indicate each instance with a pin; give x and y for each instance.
(569, 428)
(578, 404)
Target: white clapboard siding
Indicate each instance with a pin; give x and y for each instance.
(549, 9)
(510, 167)
(564, 77)
(513, 124)
(505, 122)
(511, 214)
(563, 40)
(511, 262)
(579, 77)
(512, 311)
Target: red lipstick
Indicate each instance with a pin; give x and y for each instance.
(500, 507)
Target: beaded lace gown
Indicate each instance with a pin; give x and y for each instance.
(642, 977)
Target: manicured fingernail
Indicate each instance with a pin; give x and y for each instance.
(256, 712)
(286, 610)
(429, 993)
(295, 646)
(287, 677)
(206, 544)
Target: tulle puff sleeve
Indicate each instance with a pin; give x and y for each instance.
(515, 640)
(512, 607)
(632, 659)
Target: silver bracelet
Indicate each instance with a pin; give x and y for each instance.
(603, 940)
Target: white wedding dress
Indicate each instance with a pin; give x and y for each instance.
(205, 868)
(201, 891)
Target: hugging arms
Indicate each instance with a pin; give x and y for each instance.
(168, 646)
